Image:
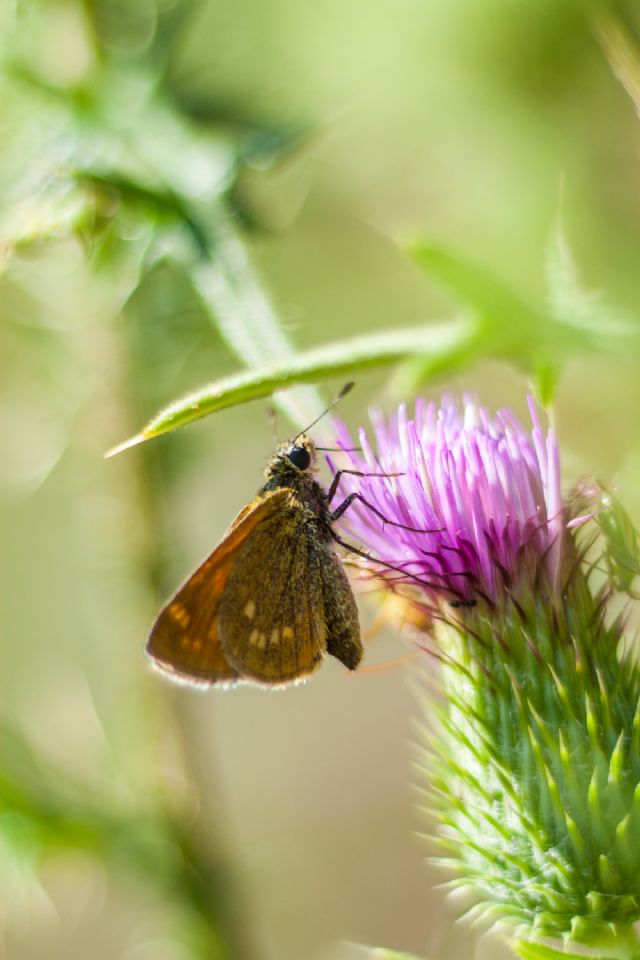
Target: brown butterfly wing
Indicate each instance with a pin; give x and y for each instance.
(184, 641)
(272, 617)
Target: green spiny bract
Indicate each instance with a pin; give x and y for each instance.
(535, 762)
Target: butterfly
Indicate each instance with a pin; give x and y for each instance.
(273, 597)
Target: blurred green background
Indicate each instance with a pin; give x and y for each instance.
(132, 810)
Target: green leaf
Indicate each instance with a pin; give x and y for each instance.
(153, 198)
(423, 368)
(536, 338)
(50, 212)
(570, 302)
(622, 543)
(546, 375)
(471, 283)
(330, 361)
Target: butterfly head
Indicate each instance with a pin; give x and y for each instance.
(293, 460)
(301, 452)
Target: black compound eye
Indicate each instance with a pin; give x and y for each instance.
(300, 457)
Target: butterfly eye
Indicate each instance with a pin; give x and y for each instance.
(300, 457)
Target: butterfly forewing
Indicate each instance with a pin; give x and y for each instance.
(272, 623)
(185, 641)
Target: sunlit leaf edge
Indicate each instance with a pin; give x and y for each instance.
(332, 360)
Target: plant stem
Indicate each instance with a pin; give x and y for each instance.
(244, 315)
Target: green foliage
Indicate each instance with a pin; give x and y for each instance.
(90, 199)
(498, 324)
(539, 340)
(43, 813)
(621, 542)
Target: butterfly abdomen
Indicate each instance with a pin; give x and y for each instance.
(340, 612)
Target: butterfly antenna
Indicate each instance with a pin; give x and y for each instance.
(272, 414)
(345, 390)
(340, 449)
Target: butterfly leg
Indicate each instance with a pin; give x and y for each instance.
(411, 579)
(331, 492)
(346, 503)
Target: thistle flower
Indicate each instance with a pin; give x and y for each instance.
(488, 492)
(534, 756)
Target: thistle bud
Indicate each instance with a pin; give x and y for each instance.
(534, 756)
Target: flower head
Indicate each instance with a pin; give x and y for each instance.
(474, 501)
(534, 753)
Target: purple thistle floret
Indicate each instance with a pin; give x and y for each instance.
(484, 491)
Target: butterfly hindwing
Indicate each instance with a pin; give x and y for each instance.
(184, 641)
